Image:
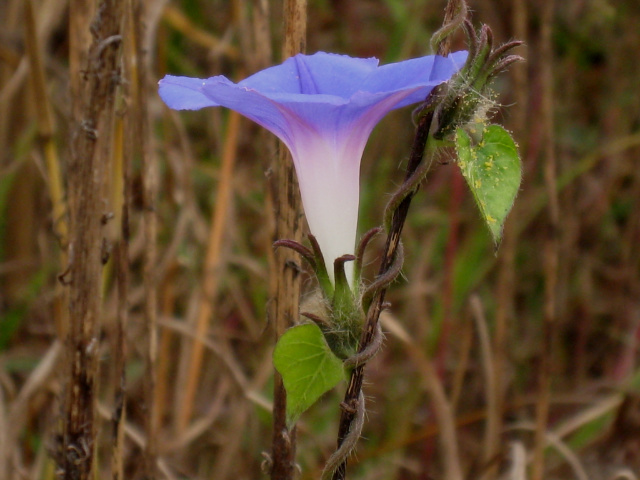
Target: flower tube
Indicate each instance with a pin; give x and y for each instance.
(323, 107)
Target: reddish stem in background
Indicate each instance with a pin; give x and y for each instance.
(457, 195)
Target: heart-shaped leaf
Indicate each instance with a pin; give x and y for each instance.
(493, 172)
(308, 367)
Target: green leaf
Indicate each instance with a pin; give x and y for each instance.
(493, 172)
(308, 367)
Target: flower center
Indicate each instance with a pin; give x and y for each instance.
(305, 77)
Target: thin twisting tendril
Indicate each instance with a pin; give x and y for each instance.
(457, 12)
(385, 279)
(372, 344)
(359, 359)
(368, 353)
(430, 123)
(352, 417)
(349, 442)
(372, 300)
(409, 187)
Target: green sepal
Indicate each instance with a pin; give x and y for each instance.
(320, 268)
(342, 294)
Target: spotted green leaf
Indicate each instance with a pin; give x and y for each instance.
(308, 367)
(493, 172)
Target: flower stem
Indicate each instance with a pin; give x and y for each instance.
(391, 249)
(394, 219)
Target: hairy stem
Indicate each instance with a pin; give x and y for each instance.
(392, 247)
(395, 217)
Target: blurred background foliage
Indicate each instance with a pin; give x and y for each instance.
(488, 358)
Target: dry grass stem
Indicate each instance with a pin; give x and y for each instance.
(139, 440)
(213, 268)
(46, 131)
(518, 469)
(551, 250)
(492, 432)
(553, 440)
(176, 19)
(284, 280)
(97, 65)
(444, 414)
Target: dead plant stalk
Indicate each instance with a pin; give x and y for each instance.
(551, 246)
(285, 282)
(93, 100)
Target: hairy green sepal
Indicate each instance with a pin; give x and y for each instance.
(491, 166)
(308, 367)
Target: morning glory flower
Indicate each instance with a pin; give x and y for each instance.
(323, 107)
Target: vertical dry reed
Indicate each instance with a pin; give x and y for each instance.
(139, 142)
(121, 202)
(551, 245)
(285, 290)
(506, 281)
(93, 87)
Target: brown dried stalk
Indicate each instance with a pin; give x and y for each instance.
(139, 143)
(214, 263)
(551, 246)
(507, 266)
(285, 284)
(46, 131)
(93, 100)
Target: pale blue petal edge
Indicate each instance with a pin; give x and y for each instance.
(350, 88)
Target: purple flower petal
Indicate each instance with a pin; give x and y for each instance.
(183, 93)
(324, 73)
(323, 107)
